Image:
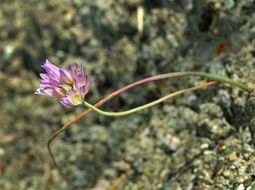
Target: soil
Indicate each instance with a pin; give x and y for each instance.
(200, 140)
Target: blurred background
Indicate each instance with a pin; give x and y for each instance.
(200, 140)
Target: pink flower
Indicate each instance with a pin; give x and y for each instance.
(70, 88)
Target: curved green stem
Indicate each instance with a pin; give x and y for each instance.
(222, 79)
(115, 114)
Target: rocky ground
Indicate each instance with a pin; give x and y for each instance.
(200, 140)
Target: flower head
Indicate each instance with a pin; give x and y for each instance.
(71, 88)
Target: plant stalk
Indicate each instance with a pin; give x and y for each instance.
(149, 79)
(124, 113)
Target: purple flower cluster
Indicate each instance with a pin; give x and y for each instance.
(71, 88)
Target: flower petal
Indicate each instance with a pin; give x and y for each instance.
(59, 92)
(65, 87)
(51, 69)
(44, 92)
(65, 76)
(74, 70)
(66, 102)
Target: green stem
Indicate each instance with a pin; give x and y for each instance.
(115, 114)
(222, 79)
